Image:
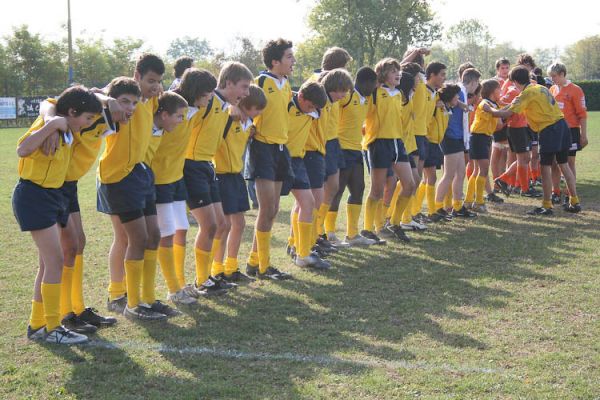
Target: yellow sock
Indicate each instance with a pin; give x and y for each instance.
(37, 319)
(431, 206)
(65, 291)
(448, 199)
(457, 205)
(574, 200)
(471, 187)
(263, 241)
(295, 217)
(330, 220)
(385, 210)
(77, 286)
(417, 203)
(480, 189)
(167, 267)
(179, 260)
(51, 303)
(149, 277)
(116, 290)
(370, 210)
(290, 240)
(231, 265)
(408, 211)
(352, 216)
(397, 190)
(253, 259)
(322, 213)
(304, 239)
(547, 203)
(438, 205)
(379, 215)
(216, 267)
(133, 277)
(401, 205)
(202, 265)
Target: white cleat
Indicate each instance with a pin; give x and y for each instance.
(181, 297)
(413, 226)
(335, 241)
(61, 335)
(359, 241)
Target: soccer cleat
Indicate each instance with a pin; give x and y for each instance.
(463, 213)
(274, 274)
(359, 241)
(181, 297)
(162, 308)
(91, 316)
(398, 233)
(335, 242)
(251, 270)
(479, 208)
(326, 244)
(37, 334)
(422, 219)
(291, 251)
(372, 236)
(572, 208)
(73, 323)
(556, 198)
(191, 291)
(239, 277)
(566, 200)
(413, 226)
(143, 312)
(117, 305)
(540, 211)
(504, 187)
(61, 335)
(494, 198)
(531, 192)
(312, 261)
(222, 283)
(209, 288)
(321, 252)
(441, 215)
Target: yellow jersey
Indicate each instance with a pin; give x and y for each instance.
(128, 145)
(538, 105)
(272, 123)
(300, 125)
(207, 133)
(48, 171)
(157, 135)
(438, 124)
(384, 115)
(484, 122)
(408, 125)
(331, 130)
(352, 113)
(421, 107)
(229, 158)
(316, 137)
(87, 144)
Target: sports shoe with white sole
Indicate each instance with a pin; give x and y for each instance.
(191, 291)
(413, 226)
(143, 312)
(162, 308)
(117, 305)
(181, 297)
(61, 335)
(359, 241)
(36, 334)
(333, 239)
(398, 233)
(312, 261)
(479, 208)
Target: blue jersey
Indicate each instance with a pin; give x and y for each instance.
(455, 128)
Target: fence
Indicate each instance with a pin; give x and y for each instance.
(19, 111)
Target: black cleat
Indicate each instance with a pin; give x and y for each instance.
(504, 187)
(494, 198)
(556, 198)
(117, 305)
(291, 251)
(398, 233)
(274, 274)
(163, 308)
(373, 236)
(440, 215)
(91, 316)
(572, 208)
(239, 277)
(223, 280)
(422, 219)
(540, 211)
(463, 213)
(326, 244)
(251, 270)
(73, 323)
(531, 192)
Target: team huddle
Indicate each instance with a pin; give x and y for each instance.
(200, 146)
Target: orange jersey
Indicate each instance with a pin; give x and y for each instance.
(571, 101)
(509, 92)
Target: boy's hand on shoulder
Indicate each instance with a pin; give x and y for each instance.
(58, 123)
(235, 113)
(116, 111)
(253, 131)
(50, 145)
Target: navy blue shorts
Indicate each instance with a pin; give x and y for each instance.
(334, 158)
(171, 192)
(534, 136)
(501, 135)
(451, 146)
(133, 193)
(69, 189)
(315, 168)
(234, 193)
(421, 147)
(36, 207)
(435, 157)
(382, 153)
(201, 183)
(390, 170)
(519, 140)
(352, 158)
(480, 146)
(575, 141)
(555, 138)
(268, 161)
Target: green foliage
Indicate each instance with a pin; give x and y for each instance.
(591, 89)
(583, 58)
(197, 48)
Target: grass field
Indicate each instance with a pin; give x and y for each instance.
(503, 307)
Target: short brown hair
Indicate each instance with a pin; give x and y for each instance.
(469, 75)
(488, 86)
(196, 83)
(526, 59)
(335, 57)
(315, 93)
(181, 64)
(233, 71)
(123, 85)
(274, 50)
(448, 91)
(502, 61)
(384, 66)
(149, 62)
(170, 102)
(336, 80)
(463, 67)
(256, 98)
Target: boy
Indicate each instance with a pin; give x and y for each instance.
(181, 64)
(269, 161)
(39, 206)
(546, 119)
(500, 146)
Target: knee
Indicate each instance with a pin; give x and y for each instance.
(82, 240)
(153, 238)
(223, 227)
(69, 251)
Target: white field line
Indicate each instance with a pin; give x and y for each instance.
(290, 357)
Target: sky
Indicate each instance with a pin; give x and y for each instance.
(221, 22)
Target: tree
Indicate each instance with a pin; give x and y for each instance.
(472, 42)
(198, 49)
(249, 55)
(583, 58)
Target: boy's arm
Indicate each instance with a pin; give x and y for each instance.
(505, 113)
(414, 53)
(583, 139)
(34, 141)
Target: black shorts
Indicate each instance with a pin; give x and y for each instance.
(575, 141)
(480, 146)
(315, 168)
(268, 161)
(534, 136)
(334, 159)
(299, 181)
(201, 183)
(555, 138)
(133, 193)
(234, 193)
(352, 158)
(382, 153)
(69, 189)
(519, 140)
(421, 147)
(411, 161)
(451, 146)
(171, 192)
(36, 207)
(560, 157)
(435, 157)
(501, 135)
